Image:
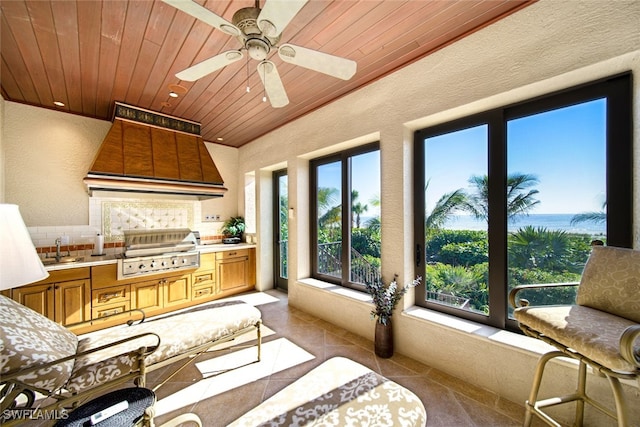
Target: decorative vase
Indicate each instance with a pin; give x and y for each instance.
(383, 341)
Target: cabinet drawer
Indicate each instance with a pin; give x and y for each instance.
(232, 254)
(109, 309)
(116, 294)
(202, 278)
(206, 291)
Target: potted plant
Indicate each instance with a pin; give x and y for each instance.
(232, 229)
(385, 298)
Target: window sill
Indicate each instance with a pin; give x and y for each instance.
(498, 336)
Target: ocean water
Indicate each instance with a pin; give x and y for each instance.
(551, 222)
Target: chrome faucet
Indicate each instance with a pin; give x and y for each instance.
(58, 254)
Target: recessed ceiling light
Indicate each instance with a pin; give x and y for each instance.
(58, 103)
(178, 89)
(165, 104)
(219, 139)
(173, 94)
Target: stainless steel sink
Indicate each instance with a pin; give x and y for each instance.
(63, 260)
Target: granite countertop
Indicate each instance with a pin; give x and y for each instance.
(91, 260)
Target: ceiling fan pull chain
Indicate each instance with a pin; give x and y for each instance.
(264, 80)
(248, 88)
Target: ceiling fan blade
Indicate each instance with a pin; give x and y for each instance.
(205, 15)
(335, 66)
(276, 14)
(210, 65)
(272, 84)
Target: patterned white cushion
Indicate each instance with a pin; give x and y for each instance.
(339, 392)
(592, 333)
(29, 339)
(178, 333)
(611, 282)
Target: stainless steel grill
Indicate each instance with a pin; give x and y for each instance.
(157, 251)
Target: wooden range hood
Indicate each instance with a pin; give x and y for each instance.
(148, 152)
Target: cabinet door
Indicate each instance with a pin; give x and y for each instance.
(233, 273)
(146, 296)
(72, 301)
(39, 298)
(177, 290)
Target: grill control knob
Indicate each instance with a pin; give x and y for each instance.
(142, 266)
(164, 263)
(153, 264)
(174, 262)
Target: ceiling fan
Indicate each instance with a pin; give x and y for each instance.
(259, 31)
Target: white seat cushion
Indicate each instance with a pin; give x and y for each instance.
(588, 331)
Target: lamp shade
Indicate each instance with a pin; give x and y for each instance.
(19, 261)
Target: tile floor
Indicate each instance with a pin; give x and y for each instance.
(448, 400)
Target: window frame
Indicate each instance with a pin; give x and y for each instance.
(344, 157)
(619, 179)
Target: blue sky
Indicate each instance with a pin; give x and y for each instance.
(564, 149)
(365, 179)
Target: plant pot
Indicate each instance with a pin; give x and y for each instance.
(383, 341)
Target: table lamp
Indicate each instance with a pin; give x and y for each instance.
(19, 261)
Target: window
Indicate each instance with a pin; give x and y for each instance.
(345, 206)
(281, 229)
(515, 196)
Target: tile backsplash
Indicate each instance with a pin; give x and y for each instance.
(111, 216)
(119, 216)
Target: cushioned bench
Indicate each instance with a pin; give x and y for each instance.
(41, 356)
(339, 392)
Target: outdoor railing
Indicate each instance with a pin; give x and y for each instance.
(284, 259)
(362, 271)
(330, 263)
(329, 258)
(451, 300)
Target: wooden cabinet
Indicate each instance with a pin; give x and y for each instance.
(64, 296)
(154, 294)
(204, 279)
(147, 296)
(235, 271)
(176, 291)
(84, 294)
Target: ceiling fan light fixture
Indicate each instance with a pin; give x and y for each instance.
(257, 49)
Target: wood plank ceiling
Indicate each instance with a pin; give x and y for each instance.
(88, 54)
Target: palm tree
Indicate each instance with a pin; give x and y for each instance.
(595, 217)
(520, 200)
(357, 208)
(445, 207)
(374, 223)
(327, 199)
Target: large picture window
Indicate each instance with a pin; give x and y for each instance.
(345, 206)
(516, 196)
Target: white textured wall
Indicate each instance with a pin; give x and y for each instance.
(47, 154)
(545, 47)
